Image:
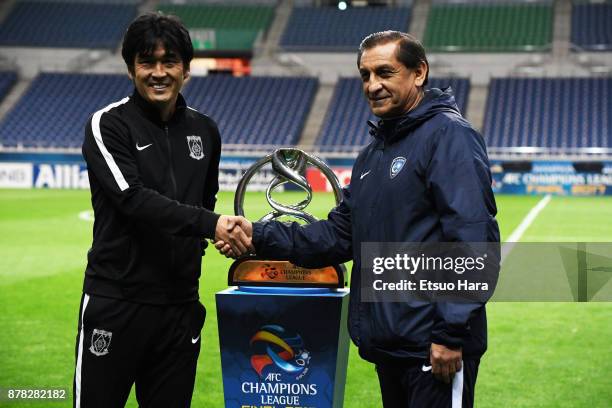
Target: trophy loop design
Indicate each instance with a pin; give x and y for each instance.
(289, 165)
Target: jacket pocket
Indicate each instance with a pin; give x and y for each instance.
(398, 326)
(112, 256)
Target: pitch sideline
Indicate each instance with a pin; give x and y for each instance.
(522, 227)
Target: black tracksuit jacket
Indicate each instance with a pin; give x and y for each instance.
(153, 191)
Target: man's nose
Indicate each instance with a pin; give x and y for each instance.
(159, 70)
(374, 87)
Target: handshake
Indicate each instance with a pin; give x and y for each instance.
(233, 236)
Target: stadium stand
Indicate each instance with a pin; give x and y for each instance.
(344, 128)
(592, 26)
(549, 113)
(217, 2)
(7, 80)
(223, 27)
(89, 1)
(54, 109)
(259, 112)
(330, 29)
(486, 27)
(66, 24)
(248, 110)
(254, 110)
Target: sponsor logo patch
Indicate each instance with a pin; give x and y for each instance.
(141, 148)
(364, 174)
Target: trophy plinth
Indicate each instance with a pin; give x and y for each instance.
(283, 331)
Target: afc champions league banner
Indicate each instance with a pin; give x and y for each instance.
(548, 177)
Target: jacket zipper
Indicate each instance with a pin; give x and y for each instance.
(365, 308)
(171, 162)
(174, 194)
(380, 154)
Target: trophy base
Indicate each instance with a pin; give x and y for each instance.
(252, 271)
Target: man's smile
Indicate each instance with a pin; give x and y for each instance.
(159, 86)
(378, 100)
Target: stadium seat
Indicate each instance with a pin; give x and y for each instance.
(550, 113)
(67, 24)
(345, 128)
(223, 27)
(489, 27)
(55, 108)
(254, 110)
(330, 29)
(592, 26)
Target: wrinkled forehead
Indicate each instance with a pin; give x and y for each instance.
(378, 55)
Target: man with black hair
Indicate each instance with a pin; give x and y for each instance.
(153, 167)
(424, 177)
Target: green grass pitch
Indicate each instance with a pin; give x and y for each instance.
(540, 354)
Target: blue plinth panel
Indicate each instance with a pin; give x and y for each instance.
(283, 347)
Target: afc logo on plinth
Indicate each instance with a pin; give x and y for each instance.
(283, 351)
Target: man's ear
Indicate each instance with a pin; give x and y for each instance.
(421, 74)
(131, 73)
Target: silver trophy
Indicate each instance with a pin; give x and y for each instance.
(289, 166)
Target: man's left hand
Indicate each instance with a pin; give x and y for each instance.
(445, 362)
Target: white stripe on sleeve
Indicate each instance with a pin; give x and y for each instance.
(458, 388)
(110, 161)
(79, 362)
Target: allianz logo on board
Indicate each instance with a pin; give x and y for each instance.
(60, 176)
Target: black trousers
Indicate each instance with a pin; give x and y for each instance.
(121, 343)
(414, 386)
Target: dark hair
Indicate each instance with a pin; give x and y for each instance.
(149, 29)
(410, 51)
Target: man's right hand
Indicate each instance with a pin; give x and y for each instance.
(445, 362)
(236, 233)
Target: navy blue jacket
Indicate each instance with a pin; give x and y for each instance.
(441, 194)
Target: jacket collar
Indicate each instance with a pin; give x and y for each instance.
(434, 101)
(151, 112)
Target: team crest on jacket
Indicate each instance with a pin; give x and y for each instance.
(196, 149)
(100, 341)
(397, 165)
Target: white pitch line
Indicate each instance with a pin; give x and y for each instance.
(520, 230)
